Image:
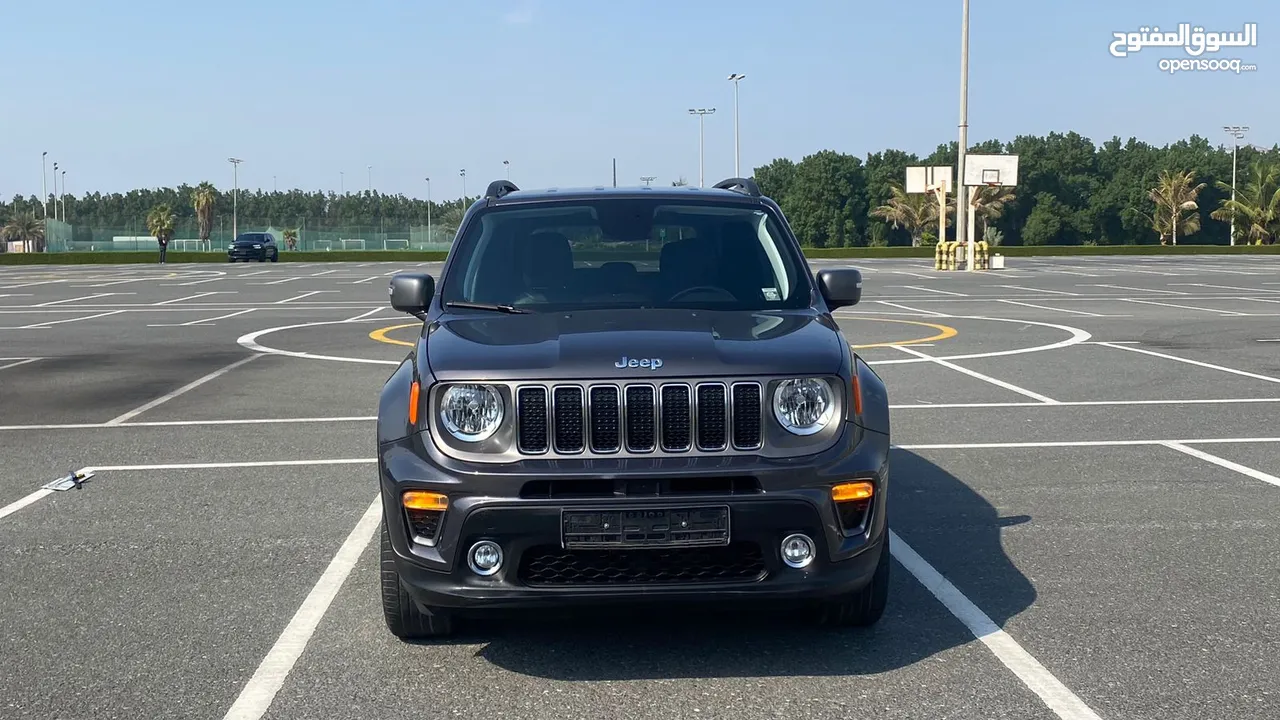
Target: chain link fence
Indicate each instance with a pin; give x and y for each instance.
(289, 236)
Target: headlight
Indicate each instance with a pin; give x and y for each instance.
(803, 406)
(471, 413)
(257, 247)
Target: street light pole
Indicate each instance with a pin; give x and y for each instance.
(735, 78)
(1237, 132)
(508, 164)
(44, 185)
(701, 113)
(370, 169)
(235, 195)
(962, 195)
(64, 198)
(428, 210)
(463, 173)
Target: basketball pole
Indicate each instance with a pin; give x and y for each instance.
(962, 205)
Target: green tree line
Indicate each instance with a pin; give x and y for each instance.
(1069, 192)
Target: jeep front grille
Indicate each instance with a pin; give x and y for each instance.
(639, 418)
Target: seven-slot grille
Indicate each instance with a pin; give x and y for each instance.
(639, 418)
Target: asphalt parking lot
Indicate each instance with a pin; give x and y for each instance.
(1085, 504)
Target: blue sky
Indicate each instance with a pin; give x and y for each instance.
(139, 93)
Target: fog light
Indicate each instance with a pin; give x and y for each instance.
(484, 558)
(798, 550)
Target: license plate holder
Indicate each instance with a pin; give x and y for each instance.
(645, 527)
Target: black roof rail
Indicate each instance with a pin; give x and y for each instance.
(498, 188)
(746, 185)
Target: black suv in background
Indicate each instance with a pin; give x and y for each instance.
(626, 396)
(254, 246)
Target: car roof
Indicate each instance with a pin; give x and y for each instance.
(735, 189)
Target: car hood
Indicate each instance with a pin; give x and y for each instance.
(247, 243)
(664, 343)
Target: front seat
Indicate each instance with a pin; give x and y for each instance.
(684, 264)
(546, 267)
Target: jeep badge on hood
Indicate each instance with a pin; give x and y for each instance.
(652, 363)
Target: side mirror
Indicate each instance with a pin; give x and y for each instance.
(840, 287)
(411, 292)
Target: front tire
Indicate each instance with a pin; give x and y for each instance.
(865, 607)
(404, 618)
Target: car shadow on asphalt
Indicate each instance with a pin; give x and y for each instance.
(950, 525)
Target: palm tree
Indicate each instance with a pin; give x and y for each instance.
(989, 203)
(913, 212)
(1176, 207)
(1257, 205)
(291, 238)
(26, 229)
(203, 199)
(160, 222)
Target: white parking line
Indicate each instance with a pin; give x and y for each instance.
(189, 423)
(1064, 703)
(1183, 307)
(1226, 287)
(375, 277)
(204, 322)
(74, 299)
(1223, 462)
(14, 507)
(256, 696)
(1083, 403)
(924, 289)
(929, 313)
(189, 386)
(30, 284)
(304, 295)
(1046, 307)
(325, 272)
(978, 375)
(1138, 289)
(1188, 361)
(22, 361)
(1083, 443)
(277, 282)
(1036, 290)
(904, 272)
(43, 325)
(195, 282)
(361, 316)
(194, 297)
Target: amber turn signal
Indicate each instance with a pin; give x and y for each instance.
(845, 492)
(423, 500)
(856, 390)
(413, 403)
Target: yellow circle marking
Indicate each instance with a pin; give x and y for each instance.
(944, 332)
(381, 334)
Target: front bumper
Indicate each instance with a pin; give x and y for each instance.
(767, 500)
(247, 254)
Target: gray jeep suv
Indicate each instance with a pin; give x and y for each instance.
(627, 396)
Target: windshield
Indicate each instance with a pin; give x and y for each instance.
(627, 253)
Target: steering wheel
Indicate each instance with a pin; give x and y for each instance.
(719, 291)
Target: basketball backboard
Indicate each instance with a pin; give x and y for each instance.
(999, 170)
(922, 179)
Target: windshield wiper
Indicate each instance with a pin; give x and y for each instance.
(487, 306)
